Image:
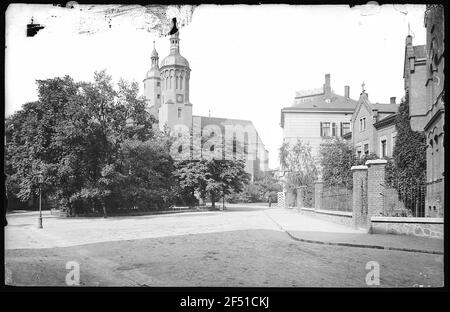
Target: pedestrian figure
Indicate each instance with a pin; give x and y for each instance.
(270, 200)
(5, 201)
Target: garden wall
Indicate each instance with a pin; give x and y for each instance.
(341, 217)
(425, 227)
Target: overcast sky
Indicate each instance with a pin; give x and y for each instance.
(246, 61)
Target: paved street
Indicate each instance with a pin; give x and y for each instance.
(242, 246)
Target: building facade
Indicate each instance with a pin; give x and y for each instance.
(373, 127)
(166, 90)
(435, 109)
(317, 115)
(414, 77)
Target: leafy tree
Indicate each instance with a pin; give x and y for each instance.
(337, 158)
(409, 153)
(299, 166)
(213, 178)
(77, 135)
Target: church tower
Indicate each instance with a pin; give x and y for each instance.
(152, 85)
(175, 72)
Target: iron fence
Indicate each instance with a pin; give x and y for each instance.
(401, 201)
(337, 198)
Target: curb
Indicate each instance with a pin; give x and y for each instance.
(435, 252)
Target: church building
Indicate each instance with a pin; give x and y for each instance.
(166, 90)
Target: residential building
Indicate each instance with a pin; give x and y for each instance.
(435, 109)
(316, 115)
(373, 127)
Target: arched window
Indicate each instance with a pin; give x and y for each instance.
(176, 82)
(181, 81)
(431, 175)
(437, 165)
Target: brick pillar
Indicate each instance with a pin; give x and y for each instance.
(376, 182)
(318, 189)
(301, 194)
(359, 186)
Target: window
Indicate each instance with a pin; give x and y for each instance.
(358, 150)
(158, 96)
(366, 149)
(325, 129)
(158, 84)
(393, 136)
(362, 124)
(383, 148)
(345, 128)
(333, 129)
(179, 113)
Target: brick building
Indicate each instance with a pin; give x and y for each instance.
(435, 109)
(414, 75)
(373, 127)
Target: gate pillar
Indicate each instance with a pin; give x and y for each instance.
(375, 186)
(318, 189)
(359, 209)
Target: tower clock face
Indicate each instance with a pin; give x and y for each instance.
(179, 98)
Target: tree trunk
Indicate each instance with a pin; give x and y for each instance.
(104, 209)
(213, 204)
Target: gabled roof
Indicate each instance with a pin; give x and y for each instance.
(387, 121)
(319, 103)
(385, 108)
(381, 108)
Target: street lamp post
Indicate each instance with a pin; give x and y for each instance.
(40, 181)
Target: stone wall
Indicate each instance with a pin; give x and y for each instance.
(341, 217)
(425, 227)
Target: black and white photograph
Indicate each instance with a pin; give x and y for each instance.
(224, 146)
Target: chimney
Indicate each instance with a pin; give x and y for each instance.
(392, 99)
(408, 40)
(327, 85)
(347, 92)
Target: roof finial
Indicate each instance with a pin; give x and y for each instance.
(363, 85)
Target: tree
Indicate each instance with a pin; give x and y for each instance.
(78, 135)
(214, 178)
(299, 166)
(337, 158)
(409, 153)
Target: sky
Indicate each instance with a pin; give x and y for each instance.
(246, 61)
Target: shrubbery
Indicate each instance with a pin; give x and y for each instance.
(96, 148)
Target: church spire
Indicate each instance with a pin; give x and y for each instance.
(154, 57)
(174, 38)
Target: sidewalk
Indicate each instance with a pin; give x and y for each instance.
(309, 229)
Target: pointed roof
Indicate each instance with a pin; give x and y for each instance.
(154, 52)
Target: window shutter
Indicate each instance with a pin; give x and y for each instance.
(333, 129)
(342, 132)
(321, 131)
